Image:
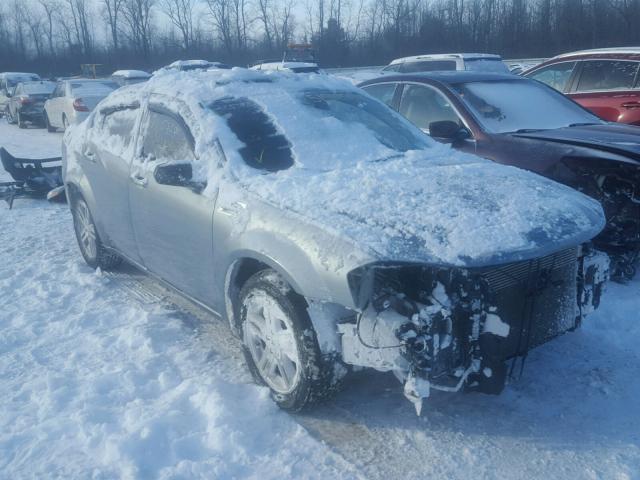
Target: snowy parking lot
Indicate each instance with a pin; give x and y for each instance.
(110, 375)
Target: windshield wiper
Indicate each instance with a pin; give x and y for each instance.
(583, 124)
(529, 130)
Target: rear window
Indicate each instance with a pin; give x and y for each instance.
(428, 66)
(12, 81)
(491, 65)
(38, 88)
(96, 87)
(607, 75)
(305, 70)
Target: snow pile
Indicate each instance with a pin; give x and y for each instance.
(432, 205)
(131, 74)
(97, 384)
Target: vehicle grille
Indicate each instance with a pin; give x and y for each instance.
(537, 298)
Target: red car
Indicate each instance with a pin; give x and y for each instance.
(604, 81)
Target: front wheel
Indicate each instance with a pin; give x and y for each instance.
(21, 121)
(280, 344)
(89, 242)
(65, 123)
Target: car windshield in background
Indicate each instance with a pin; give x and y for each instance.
(355, 108)
(512, 106)
(38, 88)
(13, 81)
(93, 87)
(491, 65)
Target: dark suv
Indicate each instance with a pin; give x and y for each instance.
(605, 81)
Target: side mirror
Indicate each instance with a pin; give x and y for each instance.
(177, 175)
(448, 131)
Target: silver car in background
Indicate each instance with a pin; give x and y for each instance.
(330, 232)
(73, 100)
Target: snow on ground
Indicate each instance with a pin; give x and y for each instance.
(112, 376)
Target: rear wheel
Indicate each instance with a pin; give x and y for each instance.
(280, 344)
(89, 242)
(21, 121)
(65, 123)
(10, 118)
(48, 124)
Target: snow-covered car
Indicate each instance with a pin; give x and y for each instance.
(291, 67)
(27, 102)
(189, 65)
(8, 82)
(73, 100)
(330, 232)
(129, 77)
(475, 62)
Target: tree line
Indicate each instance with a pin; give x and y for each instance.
(55, 36)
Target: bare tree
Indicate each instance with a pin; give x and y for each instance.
(180, 12)
(137, 15)
(112, 11)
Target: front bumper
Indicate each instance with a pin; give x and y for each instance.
(453, 329)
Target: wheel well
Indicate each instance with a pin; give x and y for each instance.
(73, 193)
(241, 270)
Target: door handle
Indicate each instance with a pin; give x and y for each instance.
(631, 105)
(139, 180)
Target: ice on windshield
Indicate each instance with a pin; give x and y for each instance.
(361, 129)
(509, 106)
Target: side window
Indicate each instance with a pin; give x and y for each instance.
(119, 125)
(424, 105)
(555, 76)
(607, 75)
(383, 92)
(167, 138)
(392, 68)
(265, 147)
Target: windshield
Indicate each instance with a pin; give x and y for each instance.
(517, 105)
(492, 65)
(285, 128)
(13, 80)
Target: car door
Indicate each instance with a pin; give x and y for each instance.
(423, 105)
(106, 161)
(173, 225)
(606, 87)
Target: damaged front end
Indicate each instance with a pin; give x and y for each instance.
(453, 329)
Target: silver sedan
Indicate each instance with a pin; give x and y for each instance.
(330, 232)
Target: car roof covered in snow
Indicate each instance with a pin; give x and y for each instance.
(131, 74)
(446, 56)
(429, 203)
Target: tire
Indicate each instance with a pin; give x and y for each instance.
(65, 123)
(21, 122)
(293, 368)
(10, 119)
(91, 247)
(50, 129)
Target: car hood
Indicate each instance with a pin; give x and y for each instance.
(615, 138)
(439, 207)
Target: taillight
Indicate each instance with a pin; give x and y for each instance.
(79, 106)
(24, 100)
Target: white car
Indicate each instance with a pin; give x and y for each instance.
(129, 77)
(8, 82)
(477, 62)
(188, 65)
(295, 67)
(73, 100)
